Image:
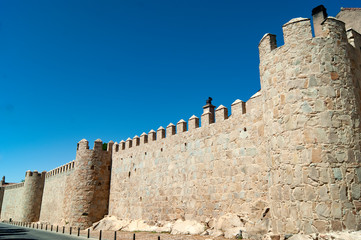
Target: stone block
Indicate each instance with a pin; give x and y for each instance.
(160, 133)
(356, 191)
(323, 210)
(181, 126)
(310, 193)
(336, 225)
(323, 193)
(193, 122)
(152, 136)
(334, 192)
(357, 205)
(350, 220)
(337, 173)
(306, 210)
(336, 210)
(206, 119)
(221, 113)
(238, 107)
(136, 141)
(316, 155)
(321, 226)
(143, 138)
(298, 193)
(170, 130)
(128, 143)
(122, 145)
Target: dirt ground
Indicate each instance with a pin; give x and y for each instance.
(120, 235)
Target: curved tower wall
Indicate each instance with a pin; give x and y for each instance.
(311, 93)
(32, 196)
(89, 196)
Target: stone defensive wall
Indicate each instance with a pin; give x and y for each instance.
(57, 184)
(286, 161)
(194, 172)
(12, 201)
(290, 164)
(22, 201)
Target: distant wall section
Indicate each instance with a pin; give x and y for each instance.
(56, 203)
(12, 206)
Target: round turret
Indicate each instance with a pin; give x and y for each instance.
(312, 120)
(33, 194)
(90, 191)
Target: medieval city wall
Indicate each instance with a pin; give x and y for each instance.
(12, 206)
(286, 161)
(194, 173)
(55, 207)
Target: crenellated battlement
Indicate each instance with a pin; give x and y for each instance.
(238, 108)
(298, 30)
(91, 183)
(61, 169)
(12, 186)
(98, 145)
(34, 173)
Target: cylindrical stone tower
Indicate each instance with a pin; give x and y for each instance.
(90, 191)
(32, 196)
(311, 92)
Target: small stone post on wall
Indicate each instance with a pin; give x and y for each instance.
(208, 113)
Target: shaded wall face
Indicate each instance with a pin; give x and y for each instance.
(55, 206)
(1, 198)
(312, 118)
(351, 18)
(202, 173)
(89, 195)
(13, 201)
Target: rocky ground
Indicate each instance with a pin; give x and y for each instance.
(112, 228)
(225, 228)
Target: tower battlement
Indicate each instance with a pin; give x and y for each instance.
(34, 174)
(298, 30)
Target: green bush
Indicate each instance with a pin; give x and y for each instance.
(105, 145)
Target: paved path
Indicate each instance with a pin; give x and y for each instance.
(21, 233)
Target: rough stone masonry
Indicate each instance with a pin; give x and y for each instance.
(286, 161)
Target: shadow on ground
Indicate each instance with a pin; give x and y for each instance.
(13, 233)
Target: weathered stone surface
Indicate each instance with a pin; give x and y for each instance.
(187, 227)
(228, 221)
(300, 237)
(110, 223)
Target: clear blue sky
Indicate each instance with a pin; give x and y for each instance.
(74, 69)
